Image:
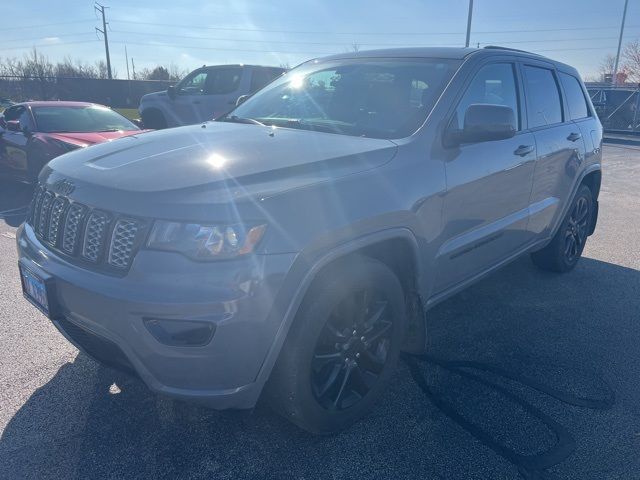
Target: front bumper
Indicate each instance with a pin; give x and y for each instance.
(105, 317)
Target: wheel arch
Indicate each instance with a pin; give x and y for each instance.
(593, 180)
(590, 176)
(397, 248)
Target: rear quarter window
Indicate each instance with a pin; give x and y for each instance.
(575, 96)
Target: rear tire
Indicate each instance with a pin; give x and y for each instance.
(342, 348)
(153, 119)
(564, 251)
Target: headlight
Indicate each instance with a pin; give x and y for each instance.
(205, 242)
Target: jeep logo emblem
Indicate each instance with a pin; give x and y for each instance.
(63, 187)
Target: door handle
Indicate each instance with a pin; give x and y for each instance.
(574, 136)
(196, 102)
(524, 150)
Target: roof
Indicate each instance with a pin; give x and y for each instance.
(240, 65)
(454, 53)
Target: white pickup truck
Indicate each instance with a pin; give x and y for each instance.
(204, 94)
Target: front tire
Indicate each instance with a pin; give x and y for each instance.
(564, 251)
(342, 348)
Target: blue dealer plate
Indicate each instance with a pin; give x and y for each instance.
(35, 290)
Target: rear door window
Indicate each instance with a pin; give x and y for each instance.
(575, 96)
(221, 81)
(262, 76)
(544, 106)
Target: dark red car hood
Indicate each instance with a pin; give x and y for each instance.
(89, 138)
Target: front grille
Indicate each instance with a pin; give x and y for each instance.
(104, 240)
(57, 208)
(122, 242)
(94, 235)
(72, 227)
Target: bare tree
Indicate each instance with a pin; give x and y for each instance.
(70, 68)
(102, 71)
(631, 55)
(176, 73)
(607, 65)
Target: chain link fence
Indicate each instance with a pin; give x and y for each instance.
(617, 106)
(114, 93)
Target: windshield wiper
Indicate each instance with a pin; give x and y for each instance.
(302, 124)
(237, 119)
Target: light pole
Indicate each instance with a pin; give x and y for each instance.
(100, 8)
(469, 23)
(614, 80)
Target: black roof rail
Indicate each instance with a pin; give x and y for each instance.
(498, 47)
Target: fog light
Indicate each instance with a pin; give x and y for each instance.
(180, 333)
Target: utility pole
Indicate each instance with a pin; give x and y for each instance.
(469, 23)
(614, 80)
(100, 8)
(126, 59)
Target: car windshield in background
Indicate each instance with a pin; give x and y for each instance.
(378, 98)
(80, 119)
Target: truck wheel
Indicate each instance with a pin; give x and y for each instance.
(154, 119)
(564, 251)
(342, 348)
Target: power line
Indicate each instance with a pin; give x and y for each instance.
(223, 49)
(309, 52)
(42, 37)
(286, 42)
(344, 43)
(25, 27)
(46, 45)
(234, 29)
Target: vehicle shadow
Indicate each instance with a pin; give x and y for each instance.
(523, 365)
(14, 201)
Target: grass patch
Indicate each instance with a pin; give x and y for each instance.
(130, 113)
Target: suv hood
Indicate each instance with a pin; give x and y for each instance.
(228, 158)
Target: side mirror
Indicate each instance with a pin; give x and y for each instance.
(13, 125)
(171, 92)
(241, 99)
(483, 123)
(138, 123)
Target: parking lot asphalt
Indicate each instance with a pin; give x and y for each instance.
(530, 375)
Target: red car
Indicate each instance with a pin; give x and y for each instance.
(33, 133)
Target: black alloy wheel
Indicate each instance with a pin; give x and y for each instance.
(565, 249)
(352, 350)
(342, 348)
(577, 229)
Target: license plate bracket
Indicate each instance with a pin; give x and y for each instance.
(39, 289)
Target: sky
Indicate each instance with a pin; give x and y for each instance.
(276, 32)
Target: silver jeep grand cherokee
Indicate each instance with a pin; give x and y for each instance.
(292, 247)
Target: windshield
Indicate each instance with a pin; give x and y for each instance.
(379, 98)
(80, 119)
